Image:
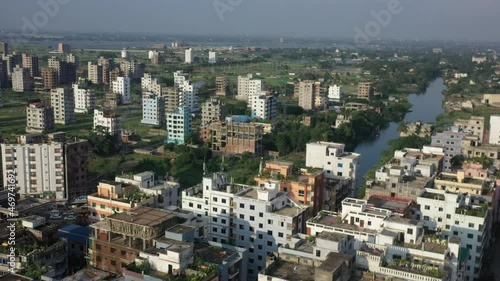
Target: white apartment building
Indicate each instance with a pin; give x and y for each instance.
(62, 100)
(212, 57)
(248, 86)
(333, 159)
(256, 218)
(21, 79)
(263, 106)
(84, 98)
(39, 168)
(153, 109)
(335, 92)
(39, 118)
(459, 215)
(122, 86)
(110, 121)
(125, 54)
(187, 91)
(474, 125)
(495, 129)
(179, 125)
(188, 56)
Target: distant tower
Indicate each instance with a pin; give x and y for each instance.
(125, 53)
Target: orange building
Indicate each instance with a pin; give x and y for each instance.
(306, 188)
(111, 197)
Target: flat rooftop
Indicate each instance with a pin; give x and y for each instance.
(432, 195)
(14, 277)
(288, 211)
(290, 271)
(180, 229)
(402, 220)
(172, 245)
(212, 254)
(143, 216)
(334, 221)
(331, 236)
(394, 205)
(333, 261)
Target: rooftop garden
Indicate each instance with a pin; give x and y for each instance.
(476, 212)
(419, 268)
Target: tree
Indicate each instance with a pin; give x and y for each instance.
(102, 142)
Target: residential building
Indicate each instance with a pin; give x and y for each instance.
(66, 71)
(131, 69)
(494, 130)
(77, 237)
(71, 58)
(306, 188)
(11, 62)
(31, 62)
(106, 69)
(50, 78)
(472, 149)
(39, 118)
(247, 86)
(342, 119)
(464, 183)
(187, 91)
(55, 170)
(125, 54)
(334, 160)
(108, 120)
(479, 59)
(4, 77)
(179, 125)
(62, 100)
(220, 85)
(365, 91)
(491, 99)
(84, 98)
(237, 138)
(212, 110)
(171, 97)
(122, 86)
(188, 56)
(153, 109)
(118, 240)
(63, 48)
(21, 80)
(95, 73)
(473, 126)
(451, 141)
(407, 174)
(4, 48)
(465, 216)
(307, 94)
(156, 58)
(263, 106)
(335, 92)
(150, 84)
(212, 57)
(255, 218)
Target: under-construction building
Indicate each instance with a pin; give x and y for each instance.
(237, 138)
(221, 85)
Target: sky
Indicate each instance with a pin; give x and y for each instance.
(474, 20)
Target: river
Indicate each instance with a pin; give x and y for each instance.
(426, 107)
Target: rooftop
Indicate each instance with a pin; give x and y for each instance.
(335, 221)
(172, 245)
(331, 236)
(180, 229)
(212, 254)
(290, 271)
(432, 195)
(143, 216)
(402, 220)
(14, 277)
(333, 261)
(288, 211)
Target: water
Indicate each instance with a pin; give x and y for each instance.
(426, 107)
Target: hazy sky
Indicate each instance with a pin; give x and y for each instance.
(419, 19)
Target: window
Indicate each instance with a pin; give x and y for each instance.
(261, 236)
(242, 237)
(318, 253)
(427, 207)
(242, 226)
(123, 253)
(280, 234)
(215, 199)
(455, 233)
(261, 225)
(223, 221)
(270, 232)
(426, 218)
(457, 222)
(448, 216)
(260, 247)
(242, 205)
(261, 215)
(223, 201)
(269, 221)
(199, 206)
(251, 250)
(242, 216)
(409, 231)
(340, 165)
(252, 207)
(250, 260)
(339, 174)
(369, 223)
(214, 219)
(440, 209)
(440, 219)
(103, 206)
(190, 204)
(113, 263)
(470, 236)
(259, 257)
(112, 249)
(214, 229)
(471, 225)
(252, 218)
(270, 243)
(214, 209)
(447, 226)
(301, 193)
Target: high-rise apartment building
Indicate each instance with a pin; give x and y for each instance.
(474, 126)
(55, 170)
(50, 78)
(188, 56)
(335, 92)
(153, 109)
(39, 118)
(451, 141)
(95, 73)
(248, 86)
(212, 110)
(21, 80)
(62, 100)
(365, 91)
(212, 57)
(84, 98)
(122, 86)
(187, 91)
(31, 62)
(179, 125)
(307, 94)
(63, 48)
(108, 120)
(221, 86)
(66, 70)
(263, 106)
(150, 84)
(4, 48)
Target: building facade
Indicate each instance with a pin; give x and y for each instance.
(31, 62)
(39, 118)
(335, 92)
(451, 141)
(188, 56)
(263, 106)
(307, 94)
(248, 86)
(121, 86)
(179, 125)
(365, 91)
(494, 130)
(84, 98)
(21, 79)
(62, 100)
(153, 109)
(237, 138)
(108, 120)
(212, 110)
(95, 73)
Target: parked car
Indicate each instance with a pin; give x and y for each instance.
(69, 218)
(55, 217)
